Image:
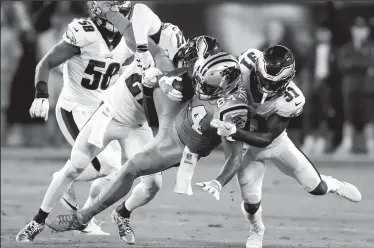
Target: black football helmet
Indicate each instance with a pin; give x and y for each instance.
(199, 47)
(274, 70)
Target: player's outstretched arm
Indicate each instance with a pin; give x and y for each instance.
(124, 26)
(55, 57)
(276, 124)
(233, 154)
(145, 23)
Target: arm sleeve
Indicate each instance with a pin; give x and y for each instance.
(149, 107)
(144, 23)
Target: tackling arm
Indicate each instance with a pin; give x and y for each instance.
(275, 126)
(144, 22)
(233, 155)
(125, 28)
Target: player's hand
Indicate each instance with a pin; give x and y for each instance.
(214, 187)
(166, 84)
(101, 8)
(40, 108)
(150, 77)
(144, 59)
(224, 128)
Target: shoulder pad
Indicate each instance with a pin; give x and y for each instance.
(175, 37)
(233, 108)
(291, 103)
(80, 33)
(247, 60)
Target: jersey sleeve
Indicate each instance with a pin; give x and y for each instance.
(247, 60)
(234, 109)
(291, 104)
(174, 37)
(80, 33)
(144, 22)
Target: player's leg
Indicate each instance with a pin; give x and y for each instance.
(70, 122)
(143, 192)
(108, 163)
(81, 156)
(160, 154)
(292, 162)
(250, 176)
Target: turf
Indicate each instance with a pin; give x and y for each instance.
(293, 217)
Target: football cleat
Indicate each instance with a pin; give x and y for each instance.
(94, 229)
(29, 232)
(126, 233)
(256, 230)
(68, 200)
(343, 189)
(66, 222)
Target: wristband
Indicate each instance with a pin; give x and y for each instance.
(218, 184)
(147, 92)
(41, 90)
(142, 48)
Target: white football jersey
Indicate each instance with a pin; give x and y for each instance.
(126, 96)
(94, 70)
(171, 39)
(290, 104)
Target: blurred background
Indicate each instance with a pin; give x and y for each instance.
(333, 43)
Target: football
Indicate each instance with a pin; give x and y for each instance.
(185, 86)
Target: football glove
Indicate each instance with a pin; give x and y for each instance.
(166, 84)
(101, 8)
(214, 187)
(224, 128)
(40, 108)
(144, 59)
(150, 77)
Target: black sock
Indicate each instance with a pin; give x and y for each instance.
(122, 210)
(251, 208)
(41, 216)
(321, 189)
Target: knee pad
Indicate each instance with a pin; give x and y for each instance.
(252, 208)
(321, 189)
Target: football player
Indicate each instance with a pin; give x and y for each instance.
(214, 78)
(170, 38)
(276, 99)
(94, 52)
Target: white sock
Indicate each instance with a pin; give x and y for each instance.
(256, 219)
(59, 184)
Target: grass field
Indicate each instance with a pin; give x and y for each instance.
(293, 218)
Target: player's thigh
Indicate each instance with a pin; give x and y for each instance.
(135, 143)
(160, 154)
(71, 122)
(136, 140)
(110, 158)
(83, 150)
(251, 172)
(292, 162)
